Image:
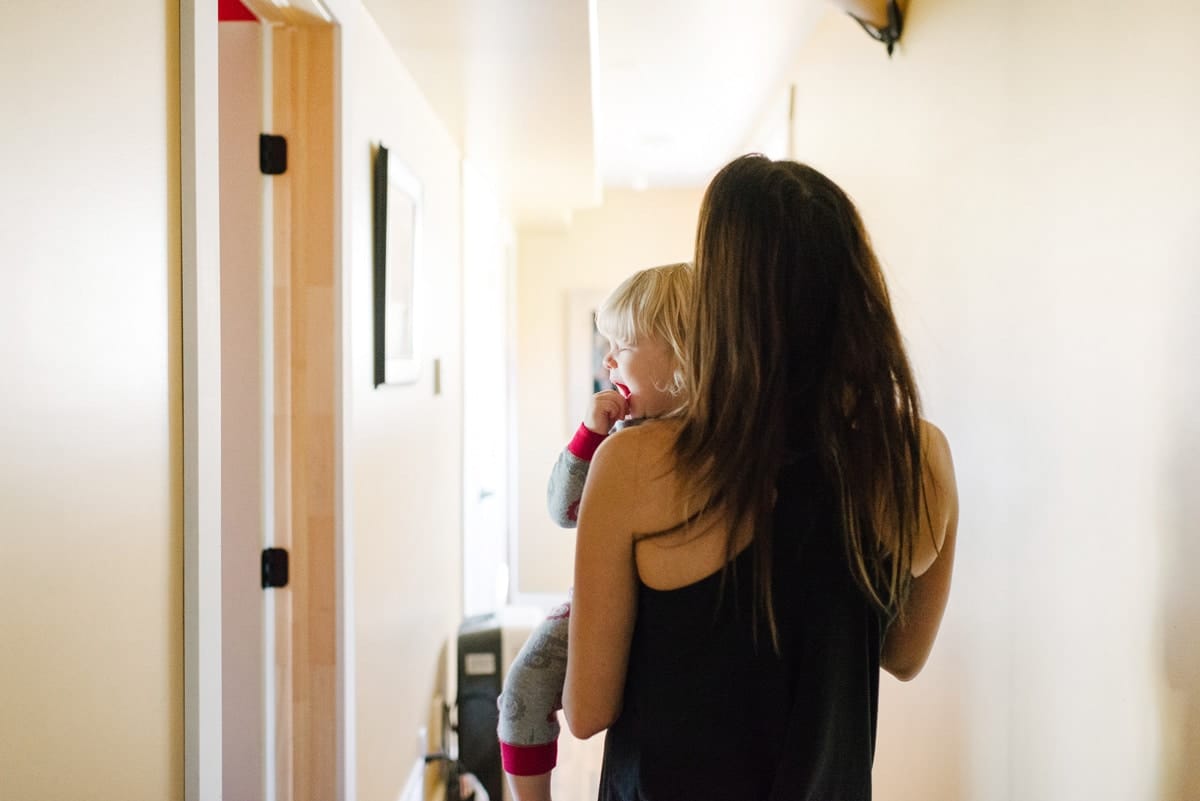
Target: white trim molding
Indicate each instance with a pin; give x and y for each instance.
(201, 266)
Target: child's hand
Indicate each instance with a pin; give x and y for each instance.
(605, 410)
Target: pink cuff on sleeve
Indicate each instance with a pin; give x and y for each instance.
(583, 445)
(528, 760)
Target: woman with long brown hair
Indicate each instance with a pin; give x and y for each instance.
(744, 569)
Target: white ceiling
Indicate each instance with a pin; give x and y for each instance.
(682, 83)
(561, 97)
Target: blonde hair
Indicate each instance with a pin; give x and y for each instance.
(652, 303)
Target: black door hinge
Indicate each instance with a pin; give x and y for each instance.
(272, 154)
(274, 567)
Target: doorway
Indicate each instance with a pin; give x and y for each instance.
(279, 363)
(488, 272)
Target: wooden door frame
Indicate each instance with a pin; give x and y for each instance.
(200, 265)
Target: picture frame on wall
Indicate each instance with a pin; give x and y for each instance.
(398, 280)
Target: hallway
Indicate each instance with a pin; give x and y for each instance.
(1028, 174)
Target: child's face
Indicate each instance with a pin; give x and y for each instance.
(643, 373)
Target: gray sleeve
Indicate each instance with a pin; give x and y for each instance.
(566, 488)
(533, 685)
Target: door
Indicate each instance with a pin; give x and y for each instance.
(280, 665)
(244, 367)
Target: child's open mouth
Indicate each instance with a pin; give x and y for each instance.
(624, 390)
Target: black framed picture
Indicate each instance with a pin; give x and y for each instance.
(397, 280)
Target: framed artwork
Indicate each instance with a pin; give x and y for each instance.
(586, 373)
(398, 276)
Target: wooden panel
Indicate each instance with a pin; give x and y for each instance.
(305, 382)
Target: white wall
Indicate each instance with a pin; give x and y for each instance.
(1029, 173)
(404, 442)
(91, 526)
(596, 251)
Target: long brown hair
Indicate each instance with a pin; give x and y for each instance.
(793, 345)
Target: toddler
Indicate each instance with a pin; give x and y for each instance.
(643, 321)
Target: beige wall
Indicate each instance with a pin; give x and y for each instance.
(599, 249)
(1029, 173)
(91, 548)
(405, 442)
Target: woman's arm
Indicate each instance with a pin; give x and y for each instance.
(909, 642)
(604, 605)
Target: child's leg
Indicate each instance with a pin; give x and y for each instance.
(530, 788)
(532, 696)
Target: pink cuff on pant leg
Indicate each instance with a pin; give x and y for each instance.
(528, 760)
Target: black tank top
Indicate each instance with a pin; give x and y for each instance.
(711, 715)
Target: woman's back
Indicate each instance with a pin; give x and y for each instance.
(710, 710)
(794, 350)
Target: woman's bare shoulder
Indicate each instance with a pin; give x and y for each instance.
(647, 438)
(939, 491)
(935, 450)
(644, 455)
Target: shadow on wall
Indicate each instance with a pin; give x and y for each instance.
(1181, 587)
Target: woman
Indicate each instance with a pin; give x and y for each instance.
(743, 570)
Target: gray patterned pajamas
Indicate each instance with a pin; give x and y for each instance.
(532, 693)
